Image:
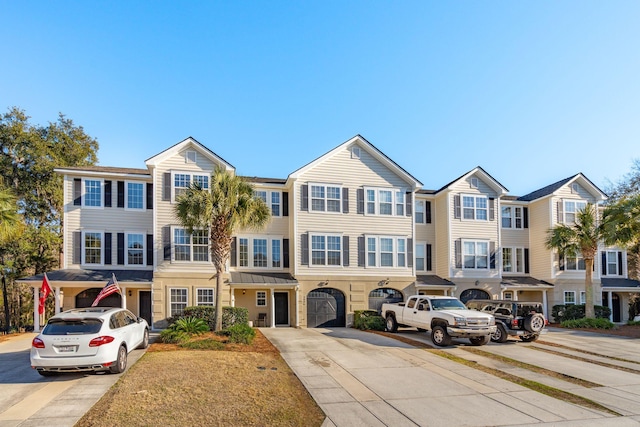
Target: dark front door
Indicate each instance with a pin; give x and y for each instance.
(145, 306)
(282, 308)
(326, 308)
(615, 300)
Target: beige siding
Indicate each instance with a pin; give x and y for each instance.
(443, 249)
(539, 223)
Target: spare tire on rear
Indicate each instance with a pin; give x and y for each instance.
(534, 323)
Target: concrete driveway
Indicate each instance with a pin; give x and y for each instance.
(362, 379)
(28, 399)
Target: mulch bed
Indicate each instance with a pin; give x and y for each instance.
(630, 331)
(259, 345)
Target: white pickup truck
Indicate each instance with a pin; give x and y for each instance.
(444, 316)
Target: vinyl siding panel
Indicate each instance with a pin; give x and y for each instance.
(443, 248)
(540, 221)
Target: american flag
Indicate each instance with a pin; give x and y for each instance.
(110, 288)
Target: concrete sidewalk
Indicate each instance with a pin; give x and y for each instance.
(363, 379)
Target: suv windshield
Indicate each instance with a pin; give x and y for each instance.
(447, 304)
(72, 327)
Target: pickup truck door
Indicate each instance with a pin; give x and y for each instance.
(416, 314)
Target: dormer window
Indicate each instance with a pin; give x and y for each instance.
(190, 156)
(575, 188)
(474, 182)
(355, 152)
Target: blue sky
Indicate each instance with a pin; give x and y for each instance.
(531, 91)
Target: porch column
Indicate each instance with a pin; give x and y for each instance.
(36, 315)
(297, 305)
(272, 312)
(123, 299)
(56, 292)
(233, 297)
(610, 305)
(544, 304)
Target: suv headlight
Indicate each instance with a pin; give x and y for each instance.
(492, 321)
(460, 321)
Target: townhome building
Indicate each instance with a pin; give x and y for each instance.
(349, 230)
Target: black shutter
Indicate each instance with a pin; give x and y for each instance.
(604, 264)
(360, 200)
(107, 194)
(149, 195)
(285, 253)
(149, 249)
(409, 203)
(107, 248)
(560, 213)
(361, 251)
(492, 255)
(525, 217)
(427, 212)
(345, 251)
(121, 194)
(410, 253)
(233, 253)
(304, 197)
(304, 246)
(285, 203)
(526, 260)
(166, 186)
(429, 255)
(166, 242)
(458, 253)
(77, 192)
(77, 247)
(456, 206)
(492, 209)
(120, 248)
(619, 263)
(345, 200)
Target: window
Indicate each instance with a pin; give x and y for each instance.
(612, 263)
(92, 247)
(326, 198)
(135, 195)
(512, 217)
(575, 263)
(386, 251)
(474, 208)
(261, 298)
(190, 156)
(93, 193)
(421, 264)
(271, 198)
(135, 249)
(419, 214)
(193, 247)
(259, 252)
(382, 201)
(513, 260)
(326, 250)
(475, 254)
(178, 301)
(583, 297)
(569, 297)
(571, 207)
(181, 181)
(355, 152)
(205, 296)
(508, 295)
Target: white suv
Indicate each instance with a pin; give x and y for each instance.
(88, 339)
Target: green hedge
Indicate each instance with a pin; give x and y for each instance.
(563, 312)
(368, 320)
(588, 323)
(230, 315)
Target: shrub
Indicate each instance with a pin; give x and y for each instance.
(634, 306)
(230, 315)
(239, 334)
(588, 323)
(191, 325)
(234, 316)
(633, 322)
(368, 320)
(564, 312)
(204, 312)
(172, 336)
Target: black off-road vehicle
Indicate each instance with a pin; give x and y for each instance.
(518, 318)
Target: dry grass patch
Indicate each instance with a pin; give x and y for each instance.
(242, 386)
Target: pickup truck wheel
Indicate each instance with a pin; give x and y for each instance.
(391, 324)
(500, 335)
(440, 337)
(534, 323)
(529, 338)
(479, 340)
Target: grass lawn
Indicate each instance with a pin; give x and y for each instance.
(240, 385)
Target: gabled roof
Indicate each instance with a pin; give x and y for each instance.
(551, 189)
(102, 171)
(187, 143)
(499, 188)
(371, 149)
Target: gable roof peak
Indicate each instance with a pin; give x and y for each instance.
(500, 189)
(550, 189)
(189, 141)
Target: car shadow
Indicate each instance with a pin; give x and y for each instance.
(15, 368)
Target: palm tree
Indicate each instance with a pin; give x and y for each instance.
(9, 218)
(581, 237)
(227, 206)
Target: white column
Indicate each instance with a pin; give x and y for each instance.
(544, 304)
(610, 305)
(273, 309)
(233, 297)
(296, 308)
(56, 292)
(123, 298)
(36, 315)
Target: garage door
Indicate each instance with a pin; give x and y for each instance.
(325, 308)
